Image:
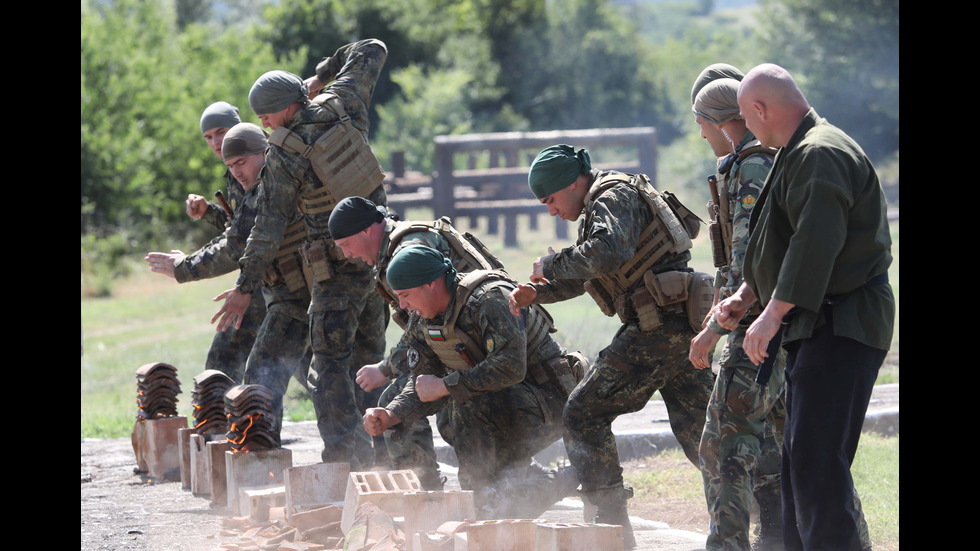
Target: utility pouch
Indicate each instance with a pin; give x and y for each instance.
(317, 258)
(692, 222)
(646, 309)
(293, 274)
(668, 288)
(601, 297)
(719, 257)
(700, 299)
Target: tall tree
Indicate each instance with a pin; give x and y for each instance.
(845, 55)
(143, 88)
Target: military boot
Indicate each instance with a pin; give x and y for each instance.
(611, 509)
(770, 519)
(431, 480)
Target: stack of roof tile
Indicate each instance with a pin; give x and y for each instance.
(251, 425)
(208, 399)
(157, 388)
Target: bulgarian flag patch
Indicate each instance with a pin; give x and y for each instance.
(436, 335)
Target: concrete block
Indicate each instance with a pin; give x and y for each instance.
(426, 511)
(184, 450)
(313, 486)
(258, 501)
(213, 460)
(501, 535)
(158, 444)
(558, 536)
(382, 488)
(200, 466)
(254, 469)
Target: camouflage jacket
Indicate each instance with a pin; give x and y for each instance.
(744, 181)
(607, 238)
(234, 194)
(395, 362)
(486, 319)
(220, 256)
(353, 70)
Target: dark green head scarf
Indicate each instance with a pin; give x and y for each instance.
(243, 139)
(219, 114)
(275, 91)
(556, 168)
(417, 265)
(352, 215)
(714, 72)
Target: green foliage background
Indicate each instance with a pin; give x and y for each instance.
(150, 67)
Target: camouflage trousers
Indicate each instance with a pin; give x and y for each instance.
(622, 380)
(741, 445)
(412, 447)
(495, 436)
(230, 349)
(281, 350)
(348, 319)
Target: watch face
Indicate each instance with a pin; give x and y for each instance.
(413, 358)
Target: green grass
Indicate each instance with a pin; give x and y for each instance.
(668, 484)
(151, 318)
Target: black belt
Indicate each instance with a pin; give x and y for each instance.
(876, 280)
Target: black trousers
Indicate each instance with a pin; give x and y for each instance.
(828, 387)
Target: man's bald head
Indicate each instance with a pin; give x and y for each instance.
(772, 104)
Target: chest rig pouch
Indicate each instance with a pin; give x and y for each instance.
(669, 232)
(289, 266)
(341, 157)
(457, 350)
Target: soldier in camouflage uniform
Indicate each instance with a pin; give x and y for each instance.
(229, 350)
(282, 343)
(649, 352)
(347, 317)
(740, 448)
(502, 379)
(364, 231)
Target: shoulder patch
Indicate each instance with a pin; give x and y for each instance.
(748, 201)
(413, 358)
(489, 345)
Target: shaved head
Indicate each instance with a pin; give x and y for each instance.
(772, 104)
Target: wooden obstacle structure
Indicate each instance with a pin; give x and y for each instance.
(501, 188)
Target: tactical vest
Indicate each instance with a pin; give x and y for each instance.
(666, 233)
(459, 351)
(341, 157)
(471, 252)
(719, 209)
(288, 266)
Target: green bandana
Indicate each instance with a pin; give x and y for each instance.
(275, 91)
(556, 168)
(243, 139)
(219, 115)
(417, 265)
(714, 72)
(353, 215)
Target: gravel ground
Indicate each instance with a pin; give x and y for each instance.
(123, 510)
